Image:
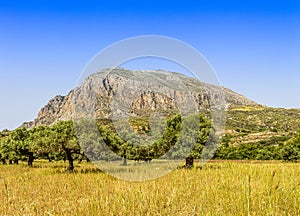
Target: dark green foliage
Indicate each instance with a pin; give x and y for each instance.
(17, 146)
(291, 150)
(63, 139)
(181, 139)
(128, 146)
(250, 151)
(41, 142)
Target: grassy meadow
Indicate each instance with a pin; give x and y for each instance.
(218, 188)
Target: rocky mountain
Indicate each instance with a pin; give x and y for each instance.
(122, 92)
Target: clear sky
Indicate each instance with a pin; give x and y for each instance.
(253, 45)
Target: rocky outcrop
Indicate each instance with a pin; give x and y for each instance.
(123, 92)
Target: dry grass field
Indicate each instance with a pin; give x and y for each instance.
(219, 188)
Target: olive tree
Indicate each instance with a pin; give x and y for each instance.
(63, 139)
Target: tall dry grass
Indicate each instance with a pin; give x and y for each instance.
(225, 188)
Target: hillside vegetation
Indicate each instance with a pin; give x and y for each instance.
(252, 133)
(258, 132)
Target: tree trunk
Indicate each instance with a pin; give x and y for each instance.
(30, 159)
(70, 159)
(125, 161)
(49, 158)
(124, 158)
(189, 162)
(16, 161)
(3, 161)
(10, 161)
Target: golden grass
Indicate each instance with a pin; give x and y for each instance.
(248, 108)
(226, 188)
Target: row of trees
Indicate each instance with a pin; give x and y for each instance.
(55, 142)
(67, 140)
(182, 139)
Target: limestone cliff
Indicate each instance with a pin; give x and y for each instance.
(123, 92)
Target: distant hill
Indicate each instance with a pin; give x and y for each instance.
(171, 85)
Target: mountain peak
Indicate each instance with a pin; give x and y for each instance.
(101, 87)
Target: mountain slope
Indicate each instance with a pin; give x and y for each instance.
(102, 87)
(126, 92)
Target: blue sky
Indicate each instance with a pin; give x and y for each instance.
(254, 46)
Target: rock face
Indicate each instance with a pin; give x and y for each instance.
(122, 92)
